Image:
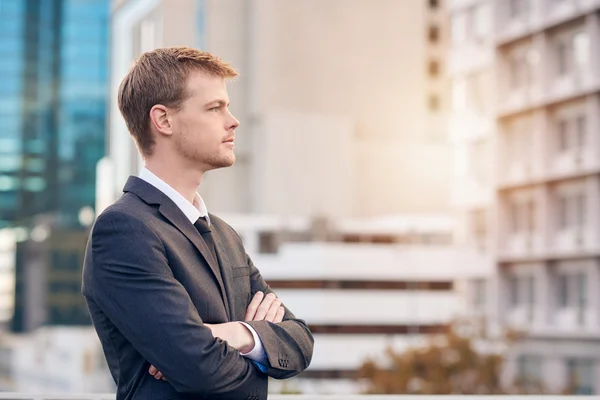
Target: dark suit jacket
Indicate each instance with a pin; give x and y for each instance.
(149, 287)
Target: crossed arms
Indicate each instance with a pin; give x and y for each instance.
(267, 308)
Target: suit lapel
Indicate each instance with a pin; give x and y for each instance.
(175, 216)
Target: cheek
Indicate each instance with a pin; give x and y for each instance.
(201, 134)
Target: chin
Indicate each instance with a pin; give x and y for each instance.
(223, 163)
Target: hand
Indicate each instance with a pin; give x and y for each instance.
(156, 373)
(266, 308)
(235, 334)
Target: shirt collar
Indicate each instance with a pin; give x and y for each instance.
(192, 211)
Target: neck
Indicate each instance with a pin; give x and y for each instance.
(183, 179)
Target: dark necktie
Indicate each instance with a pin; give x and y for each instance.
(202, 227)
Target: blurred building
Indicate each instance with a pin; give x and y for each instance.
(54, 100)
(470, 69)
(540, 222)
(341, 102)
(52, 132)
(54, 360)
(48, 277)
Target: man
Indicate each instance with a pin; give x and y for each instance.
(181, 311)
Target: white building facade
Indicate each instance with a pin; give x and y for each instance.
(544, 223)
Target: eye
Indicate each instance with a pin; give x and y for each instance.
(214, 109)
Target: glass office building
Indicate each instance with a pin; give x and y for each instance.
(53, 97)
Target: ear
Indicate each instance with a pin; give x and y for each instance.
(160, 119)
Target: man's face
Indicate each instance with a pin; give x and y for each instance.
(204, 129)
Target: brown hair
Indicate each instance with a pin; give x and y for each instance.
(159, 77)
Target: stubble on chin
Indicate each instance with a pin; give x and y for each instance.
(215, 161)
(196, 157)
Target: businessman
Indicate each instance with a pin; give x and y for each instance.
(179, 307)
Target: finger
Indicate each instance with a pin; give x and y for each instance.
(264, 307)
(164, 379)
(158, 375)
(153, 370)
(280, 315)
(273, 310)
(253, 306)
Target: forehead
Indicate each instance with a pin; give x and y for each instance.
(204, 87)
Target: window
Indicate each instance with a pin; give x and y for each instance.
(434, 33)
(571, 133)
(581, 128)
(514, 72)
(530, 288)
(518, 71)
(563, 291)
(580, 201)
(562, 135)
(514, 217)
(580, 375)
(572, 210)
(522, 216)
(572, 290)
(530, 216)
(8, 183)
(562, 59)
(10, 162)
(434, 68)
(513, 288)
(529, 369)
(563, 212)
(522, 292)
(34, 184)
(582, 298)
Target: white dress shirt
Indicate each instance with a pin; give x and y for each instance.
(193, 211)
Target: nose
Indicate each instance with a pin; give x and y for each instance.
(233, 123)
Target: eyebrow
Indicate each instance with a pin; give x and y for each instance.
(221, 103)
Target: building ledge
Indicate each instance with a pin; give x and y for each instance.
(506, 38)
(549, 178)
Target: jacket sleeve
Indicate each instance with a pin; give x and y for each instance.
(135, 287)
(288, 344)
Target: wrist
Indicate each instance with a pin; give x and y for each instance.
(246, 339)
